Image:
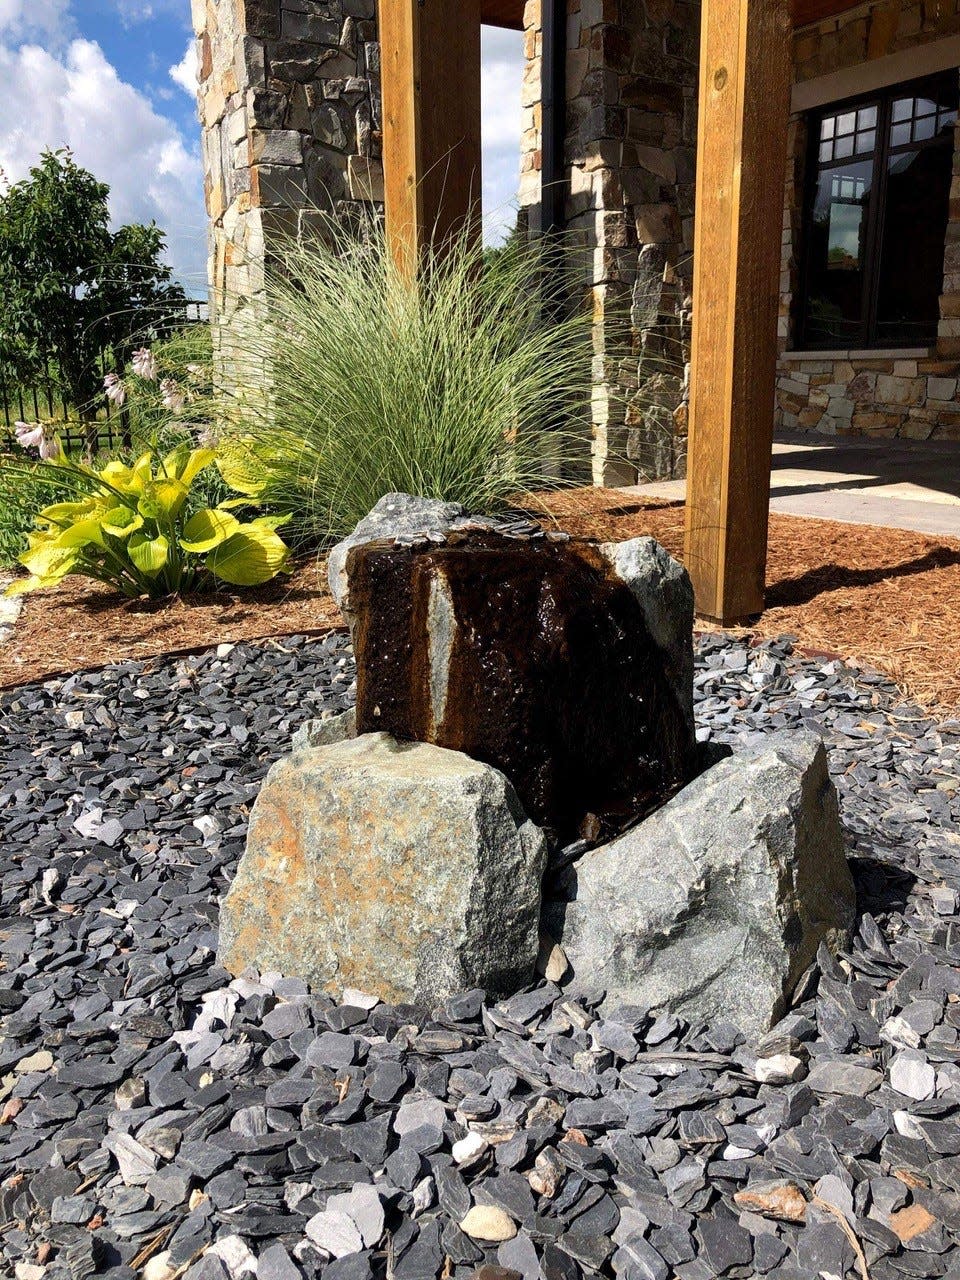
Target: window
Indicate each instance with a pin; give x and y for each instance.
(876, 217)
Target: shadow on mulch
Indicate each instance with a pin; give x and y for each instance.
(788, 592)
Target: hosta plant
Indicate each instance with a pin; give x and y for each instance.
(131, 527)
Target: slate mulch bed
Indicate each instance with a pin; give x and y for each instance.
(161, 1119)
(882, 596)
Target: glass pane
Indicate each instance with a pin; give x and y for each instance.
(843, 147)
(867, 118)
(834, 304)
(923, 128)
(866, 141)
(847, 122)
(910, 268)
(924, 107)
(903, 109)
(899, 134)
(946, 117)
(826, 150)
(826, 127)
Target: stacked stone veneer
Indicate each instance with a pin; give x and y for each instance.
(910, 394)
(289, 99)
(631, 152)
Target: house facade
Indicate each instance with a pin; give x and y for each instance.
(869, 307)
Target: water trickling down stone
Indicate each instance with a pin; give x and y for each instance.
(533, 656)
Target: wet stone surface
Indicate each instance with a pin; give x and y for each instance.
(580, 706)
(157, 1114)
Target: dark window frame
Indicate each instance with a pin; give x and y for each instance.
(883, 99)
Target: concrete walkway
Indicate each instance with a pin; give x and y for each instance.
(900, 484)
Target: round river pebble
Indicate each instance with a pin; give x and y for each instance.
(159, 1118)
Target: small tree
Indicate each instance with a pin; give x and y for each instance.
(69, 287)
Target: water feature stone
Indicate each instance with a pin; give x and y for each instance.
(401, 517)
(583, 654)
(399, 868)
(715, 905)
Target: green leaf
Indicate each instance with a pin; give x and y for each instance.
(270, 522)
(207, 529)
(149, 555)
(120, 522)
(82, 533)
(249, 557)
(162, 499)
(48, 562)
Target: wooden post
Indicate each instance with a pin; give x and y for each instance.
(430, 75)
(741, 166)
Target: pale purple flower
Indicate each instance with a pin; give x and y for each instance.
(144, 364)
(34, 435)
(171, 395)
(114, 389)
(208, 438)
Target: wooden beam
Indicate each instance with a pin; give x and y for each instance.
(807, 11)
(430, 75)
(502, 13)
(741, 168)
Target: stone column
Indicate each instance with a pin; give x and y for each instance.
(631, 149)
(289, 100)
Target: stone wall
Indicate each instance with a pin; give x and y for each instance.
(631, 151)
(870, 394)
(909, 393)
(289, 100)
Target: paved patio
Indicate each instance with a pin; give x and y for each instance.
(901, 484)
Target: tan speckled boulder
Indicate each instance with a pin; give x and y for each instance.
(404, 869)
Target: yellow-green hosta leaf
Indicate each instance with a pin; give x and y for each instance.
(122, 478)
(207, 529)
(49, 562)
(270, 522)
(149, 555)
(20, 586)
(120, 522)
(185, 465)
(162, 499)
(66, 512)
(249, 557)
(241, 468)
(82, 533)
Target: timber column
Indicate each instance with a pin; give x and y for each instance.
(289, 100)
(745, 70)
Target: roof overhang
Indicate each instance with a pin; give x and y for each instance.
(807, 11)
(502, 13)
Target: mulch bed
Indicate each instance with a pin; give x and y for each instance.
(883, 597)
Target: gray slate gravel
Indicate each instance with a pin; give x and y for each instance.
(152, 1106)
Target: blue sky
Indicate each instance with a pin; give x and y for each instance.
(113, 80)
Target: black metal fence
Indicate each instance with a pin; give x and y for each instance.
(42, 398)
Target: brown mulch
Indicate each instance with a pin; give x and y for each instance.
(80, 624)
(885, 597)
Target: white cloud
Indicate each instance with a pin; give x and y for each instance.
(186, 71)
(501, 80)
(23, 18)
(79, 101)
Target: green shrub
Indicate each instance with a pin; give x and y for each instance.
(357, 383)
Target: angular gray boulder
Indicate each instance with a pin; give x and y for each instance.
(662, 588)
(715, 905)
(403, 869)
(397, 516)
